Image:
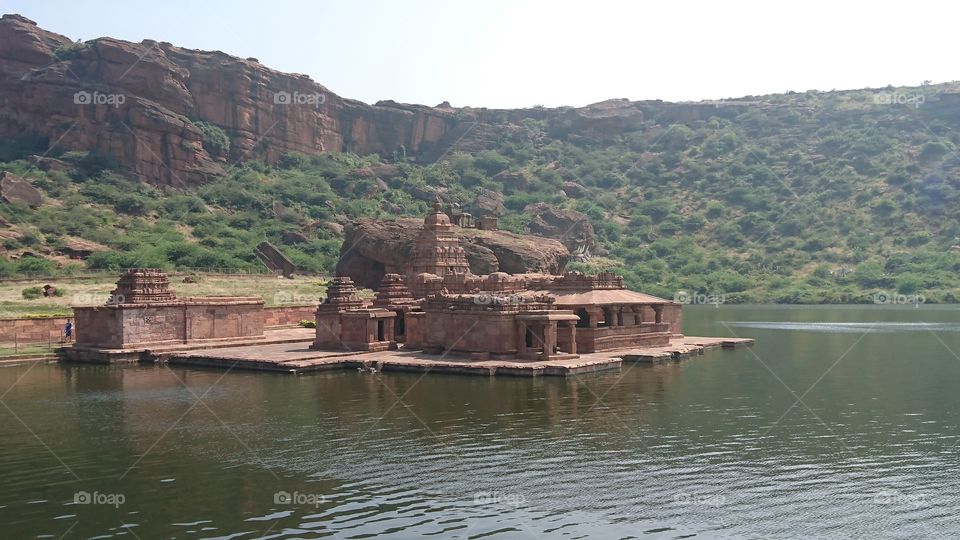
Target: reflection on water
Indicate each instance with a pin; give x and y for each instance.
(885, 327)
(719, 445)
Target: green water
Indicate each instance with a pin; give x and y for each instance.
(839, 422)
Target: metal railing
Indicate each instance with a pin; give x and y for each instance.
(26, 346)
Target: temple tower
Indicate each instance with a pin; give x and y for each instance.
(142, 286)
(393, 295)
(437, 250)
(341, 297)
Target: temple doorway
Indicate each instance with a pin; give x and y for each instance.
(398, 325)
(584, 321)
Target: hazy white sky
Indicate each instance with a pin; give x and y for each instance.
(499, 53)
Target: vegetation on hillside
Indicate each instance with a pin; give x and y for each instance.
(794, 198)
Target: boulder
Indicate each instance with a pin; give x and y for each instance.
(373, 248)
(48, 164)
(513, 180)
(14, 189)
(575, 190)
(334, 227)
(488, 203)
(78, 248)
(570, 227)
(390, 207)
(290, 238)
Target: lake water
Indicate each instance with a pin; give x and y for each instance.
(839, 422)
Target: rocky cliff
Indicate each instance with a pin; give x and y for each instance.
(375, 247)
(174, 116)
(147, 104)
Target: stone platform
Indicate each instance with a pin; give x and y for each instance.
(681, 348)
(81, 353)
(298, 358)
(287, 351)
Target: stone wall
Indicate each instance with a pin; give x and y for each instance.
(131, 325)
(38, 330)
(590, 340)
(288, 315)
(472, 331)
(673, 316)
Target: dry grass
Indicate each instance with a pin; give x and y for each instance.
(274, 291)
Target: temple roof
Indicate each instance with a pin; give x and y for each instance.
(603, 297)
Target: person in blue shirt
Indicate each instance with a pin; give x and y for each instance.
(68, 330)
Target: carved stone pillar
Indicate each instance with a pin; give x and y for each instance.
(521, 338)
(595, 315)
(549, 339)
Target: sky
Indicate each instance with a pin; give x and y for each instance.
(507, 54)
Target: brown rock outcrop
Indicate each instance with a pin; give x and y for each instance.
(570, 227)
(159, 110)
(14, 189)
(373, 248)
(139, 102)
(488, 203)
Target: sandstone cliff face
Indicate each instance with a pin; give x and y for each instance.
(373, 248)
(139, 102)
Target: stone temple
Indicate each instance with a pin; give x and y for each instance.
(439, 306)
(435, 315)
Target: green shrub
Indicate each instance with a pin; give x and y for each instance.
(308, 324)
(32, 293)
(69, 50)
(35, 266)
(214, 137)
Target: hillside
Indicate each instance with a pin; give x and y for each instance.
(841, 196)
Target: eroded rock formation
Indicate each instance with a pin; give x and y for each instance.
(174, 116)
(143, 104)
(373, 248)
(570, 227)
